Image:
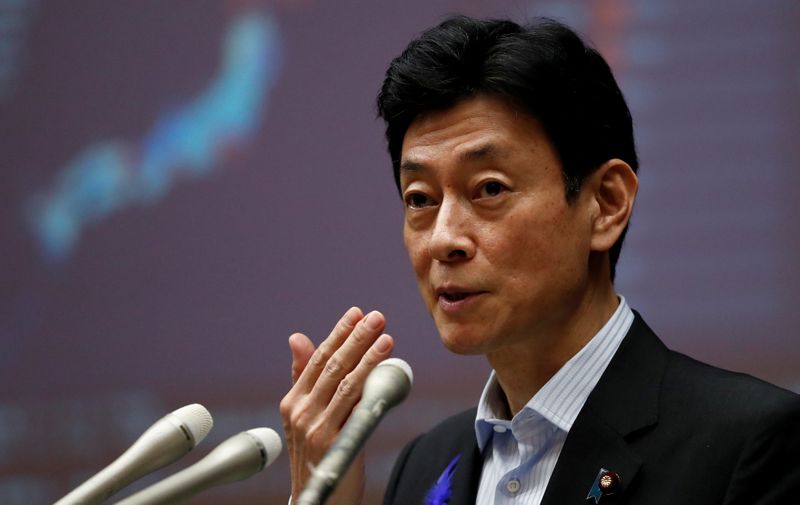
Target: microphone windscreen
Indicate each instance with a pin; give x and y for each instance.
(270, 441)
(402, 365)
(197, 420)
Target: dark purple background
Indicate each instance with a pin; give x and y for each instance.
(191, 299)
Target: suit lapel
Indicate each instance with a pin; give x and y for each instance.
(468, 472)
(624, 401)
(590, 446)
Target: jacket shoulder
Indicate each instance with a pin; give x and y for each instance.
(691, 385)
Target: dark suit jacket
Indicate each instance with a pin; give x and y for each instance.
(677, 431)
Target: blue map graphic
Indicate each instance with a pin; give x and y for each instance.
(186, 140)
(15, 20)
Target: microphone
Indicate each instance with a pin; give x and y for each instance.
(237, 458)
(167, 440)
(386, 386)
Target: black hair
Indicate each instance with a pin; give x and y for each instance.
(544, 67)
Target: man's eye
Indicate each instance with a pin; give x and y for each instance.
(491, 189)
(417, 200)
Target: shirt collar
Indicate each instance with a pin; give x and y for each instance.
(560, 400)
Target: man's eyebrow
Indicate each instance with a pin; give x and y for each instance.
(411, 166)
(481, 152)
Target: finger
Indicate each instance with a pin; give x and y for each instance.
(345, 359)
(302, 348)
(348, 393)
(327, 348)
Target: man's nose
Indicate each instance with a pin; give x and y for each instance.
(451, 238)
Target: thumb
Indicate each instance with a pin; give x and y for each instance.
(302, 348)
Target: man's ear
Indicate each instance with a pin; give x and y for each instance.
(613, 187)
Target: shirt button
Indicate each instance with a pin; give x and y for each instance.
(512, 486)
(499, 428)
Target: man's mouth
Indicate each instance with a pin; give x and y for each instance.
(454, 294)
(454, 297)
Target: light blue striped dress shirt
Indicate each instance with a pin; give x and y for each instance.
(519, 455)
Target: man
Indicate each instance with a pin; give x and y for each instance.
(513, 150)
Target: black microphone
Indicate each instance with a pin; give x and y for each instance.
(237, 458)
(167, 440)
(386, 386)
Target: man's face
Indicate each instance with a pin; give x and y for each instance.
(500, 256)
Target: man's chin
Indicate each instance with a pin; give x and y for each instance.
(464, 345)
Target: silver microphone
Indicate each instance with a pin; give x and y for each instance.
(237, 458)
(167, 440)
(386, 386)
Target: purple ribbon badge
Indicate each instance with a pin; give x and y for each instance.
(440, 493)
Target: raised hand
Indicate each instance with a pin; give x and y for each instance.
(327, 384)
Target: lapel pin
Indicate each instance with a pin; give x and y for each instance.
(606, 483)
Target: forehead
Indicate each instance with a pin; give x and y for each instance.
(477, 128)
